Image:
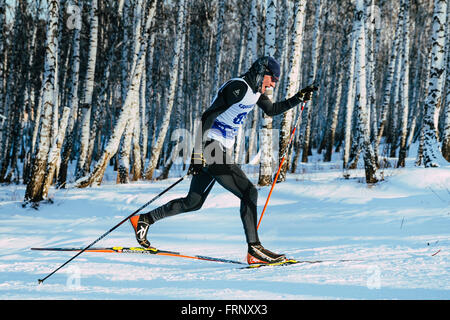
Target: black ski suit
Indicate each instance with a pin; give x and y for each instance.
(227, 174)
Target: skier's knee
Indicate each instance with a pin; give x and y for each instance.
(253, 194)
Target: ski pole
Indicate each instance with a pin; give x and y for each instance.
(112, 229)
(283, 158)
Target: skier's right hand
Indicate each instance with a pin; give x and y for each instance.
(306, 93)
(197, 164)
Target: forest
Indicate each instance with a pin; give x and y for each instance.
(89, 84)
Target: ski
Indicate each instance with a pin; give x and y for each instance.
(140, 250)
(159, 252)
(286, 262)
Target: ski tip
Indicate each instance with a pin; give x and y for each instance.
(40, 281)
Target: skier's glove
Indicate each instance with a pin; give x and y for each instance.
(197, 163)
(306, 93)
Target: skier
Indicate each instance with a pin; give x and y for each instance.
(211, 158)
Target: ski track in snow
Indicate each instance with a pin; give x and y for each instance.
(393, 239)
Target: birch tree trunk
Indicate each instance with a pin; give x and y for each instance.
(265, 169)
(3, 54)
(156, 149)
(86, 104)
(432, 156)
(293, 77)
(34, 190)
(446, 112)
(96, 175)
(219, 40)
(404, 86)
(125, 148)
(389, 80)
(350, 101)
(252, 54)
(72, 104)
(361, 94)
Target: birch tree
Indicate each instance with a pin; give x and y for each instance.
(219, 40)
(432, 156)
(86, 104)
(156, 149)
(404, 86)
(34, 188)
(393, 62)
(265, 169)
(2, 69)
(252, 55)
(311, 78)
(72, 101)
(446, 112)
(293, 77)
(361, 94)
(132, 96)
(350, 99)
(125, 148)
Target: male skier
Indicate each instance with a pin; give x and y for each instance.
(211, 158)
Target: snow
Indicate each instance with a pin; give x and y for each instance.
(386, 241)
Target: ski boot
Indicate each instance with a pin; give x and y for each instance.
(140, 224)
(257, 254)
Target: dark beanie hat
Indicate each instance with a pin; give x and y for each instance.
(274, 67)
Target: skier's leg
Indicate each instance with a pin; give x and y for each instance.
(232, 178)
(201, 185)
(199, 189)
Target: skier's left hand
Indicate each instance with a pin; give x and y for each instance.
(306, 93)
(197, 164)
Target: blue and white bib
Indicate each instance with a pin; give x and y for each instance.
(226, 126)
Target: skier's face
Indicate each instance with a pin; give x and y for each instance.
(268, 82)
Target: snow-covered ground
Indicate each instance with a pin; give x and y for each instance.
(395, 234)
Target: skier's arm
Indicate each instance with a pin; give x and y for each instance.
(273, 109)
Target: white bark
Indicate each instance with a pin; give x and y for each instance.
(350, 101)
(157, 147)
(293, 77)
(88, 90)
(35, 185)
(125, 148)
(432, 156)
(391, 71)
(131, 97)
(311, 77)
(361, 93)
(404, 107)
(446, 113)
(219, 44)
(252, 54)
(265, 170)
